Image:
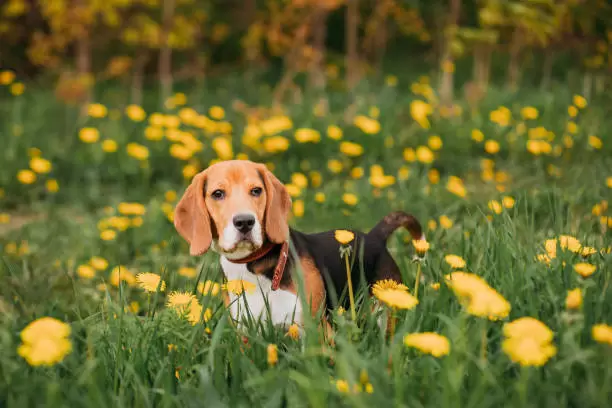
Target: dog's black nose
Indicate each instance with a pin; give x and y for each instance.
(244, 222)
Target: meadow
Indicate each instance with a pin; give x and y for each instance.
(515, 191)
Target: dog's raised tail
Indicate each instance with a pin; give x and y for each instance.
(391, 222)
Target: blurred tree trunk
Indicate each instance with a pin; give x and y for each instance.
(83, 59)
(547, 67)
(375, 43)
(165, 51)
(291, 64)
(138, 76)
(514, 66)
(447, 77)
(482, 65)
(351, 35)
(83, 64)
(316, 73)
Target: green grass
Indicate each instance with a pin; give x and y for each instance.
(121, 358)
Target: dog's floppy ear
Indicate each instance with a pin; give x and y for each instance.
(191, 218)
(278, 205)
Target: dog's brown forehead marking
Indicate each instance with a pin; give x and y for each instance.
(233, 173)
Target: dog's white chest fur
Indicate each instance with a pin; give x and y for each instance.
(285, 307)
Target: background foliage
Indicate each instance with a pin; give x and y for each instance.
(488, 120)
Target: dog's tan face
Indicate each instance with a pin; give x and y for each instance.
(233, 206)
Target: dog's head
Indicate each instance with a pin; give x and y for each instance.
(235, 206)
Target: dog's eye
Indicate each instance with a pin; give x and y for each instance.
(256, 191)
(218, 194)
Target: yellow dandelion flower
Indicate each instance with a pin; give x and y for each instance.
(150, 282)
(334, 132)
(580, 101)
(428, 342)
(388, 284)
(445, 222)
(491, 146)
(275, 144)
(26, 176)
(298, 208)
(424, 155)
(86, 271)
(595, 142)
(135, 113)
(109, 146)
(464, 284)
(17, 88)
(488, 303)
(455, 185)
(137, 151)
(602, 333)
(305, 135)
(319, 197)
(587, 251)
(455, 261)
(154, 133)
(391, 80)
(434, 142)
(572, 111)
(343, 236)
(97, 110)
(409, 154)
(351, 149)
(350, 199)
(272, 352)
(108, 235)
(526, 351)
(477, 135)
(300, 180)
(45, 342)
(237, 286)
(495, 206)
(293, 331)
(396, 298)
(367, 125)
(508, 202)
(131, 209)
(584, 269)
(569, 242)
(121, 274)
(187, 272)
(181, 152)
(403, 173)
(420, 110)
(572, 127)
(501, 116)
(52, 186)
(573, 300)
(528, 327)
(421, 246)
(89, 135)
(223, 147)
(529, 113)
(98, 263)
(7, 77)
(40, 165)
(216, 112)
(342, 386)
(209, 288)
(180, 300)
(434, 176)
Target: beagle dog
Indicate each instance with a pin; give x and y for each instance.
(240, 210)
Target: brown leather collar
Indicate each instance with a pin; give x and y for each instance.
(263, 251)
